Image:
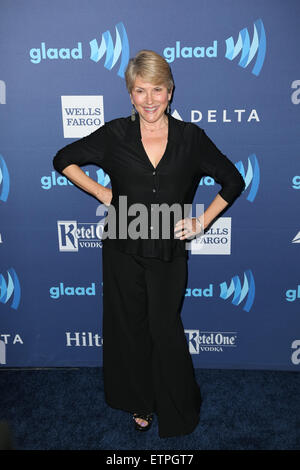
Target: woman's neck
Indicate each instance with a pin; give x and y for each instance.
(156, 126)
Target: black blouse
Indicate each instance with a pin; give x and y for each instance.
(117, 148)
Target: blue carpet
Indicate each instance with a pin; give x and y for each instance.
(51, 409)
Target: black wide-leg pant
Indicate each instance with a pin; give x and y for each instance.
(147, 366)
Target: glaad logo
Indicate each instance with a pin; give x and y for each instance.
(187, 52)
(210, 341)
(239, 291)
(292, 294)
(225, 291)
(57, 291)
(2, 92)
(296, 354)
(251, 177)
(258, 47)
(296, 94)
(37, 54)
(4, 180)
(112, 52)
(48, 182)
(296, 182)
(12, 287)
(199, 292)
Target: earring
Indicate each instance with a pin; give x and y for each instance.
(133, 114)
(168, 108)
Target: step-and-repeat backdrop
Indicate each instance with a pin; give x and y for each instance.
(236, 70)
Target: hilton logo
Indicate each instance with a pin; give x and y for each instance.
(82, 338)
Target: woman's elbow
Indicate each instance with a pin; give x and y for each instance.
(241, 185)
(55, 162)
(238, 183)
(233, 189)
(59, 162)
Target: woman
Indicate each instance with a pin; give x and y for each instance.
(151, 159)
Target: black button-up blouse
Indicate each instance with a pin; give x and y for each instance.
(117, 148)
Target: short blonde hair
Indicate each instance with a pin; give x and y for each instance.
(149, 66)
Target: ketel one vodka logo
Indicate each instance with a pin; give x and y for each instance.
(73, 235)
(210, 341)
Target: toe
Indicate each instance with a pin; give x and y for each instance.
(142, 422)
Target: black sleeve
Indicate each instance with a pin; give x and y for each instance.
(213, 163)
(89, 149)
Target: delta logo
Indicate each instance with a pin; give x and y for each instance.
(112, 51)
(251, 52)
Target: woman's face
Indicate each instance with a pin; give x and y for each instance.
(149, 100)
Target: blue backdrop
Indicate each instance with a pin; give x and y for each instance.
(236, 70)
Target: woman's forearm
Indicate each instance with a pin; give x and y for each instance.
(75, 174)
(213, 210)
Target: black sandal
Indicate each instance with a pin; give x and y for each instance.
(145, 417)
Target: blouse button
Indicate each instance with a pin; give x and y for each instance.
(154, 190)
(153, 172)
